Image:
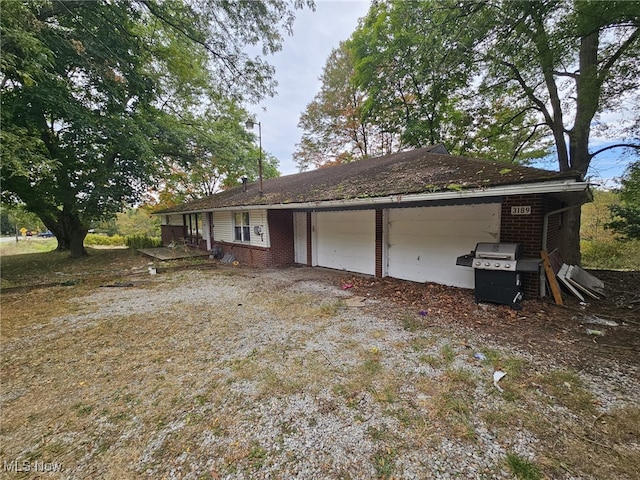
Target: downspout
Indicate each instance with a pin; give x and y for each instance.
(545, 232)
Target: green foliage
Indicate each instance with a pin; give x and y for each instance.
(522, 468)
(104, 240)
(138, 221)
(611, 255)
(625, 217)
(595, 216)
(410, 79)
(599, 246)
(336, 128)
(100, 99)
(18, 216)
(142, 241)
(402, 80)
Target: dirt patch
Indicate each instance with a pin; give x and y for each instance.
(576, 334)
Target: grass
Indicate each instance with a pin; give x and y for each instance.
(610, 254)
(522, 468)
(187, 385)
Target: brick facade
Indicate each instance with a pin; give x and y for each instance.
(524, 229)
(309, 241)
(528, 229)
(282, 238)
(281, 252)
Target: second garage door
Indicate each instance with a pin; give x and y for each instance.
(424, 242)
(345, 240)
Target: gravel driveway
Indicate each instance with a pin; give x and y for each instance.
(284, 374)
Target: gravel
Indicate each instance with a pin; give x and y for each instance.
(270, 389)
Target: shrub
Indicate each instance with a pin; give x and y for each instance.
(611, 255)
(142, 241)
(98, 239)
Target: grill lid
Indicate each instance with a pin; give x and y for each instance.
(499, 251)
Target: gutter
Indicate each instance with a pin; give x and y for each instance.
(528, 189)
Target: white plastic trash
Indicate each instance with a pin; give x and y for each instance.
(497, 376)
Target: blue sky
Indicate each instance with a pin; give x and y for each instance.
(299, 66)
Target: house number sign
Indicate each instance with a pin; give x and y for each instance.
(521, 210)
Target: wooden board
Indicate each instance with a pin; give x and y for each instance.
(586, 280)
(551, 278)
(562, 276)
(580, 287)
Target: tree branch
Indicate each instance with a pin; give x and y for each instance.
(604, 70)
(617, 145)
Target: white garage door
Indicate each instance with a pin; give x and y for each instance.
(424, 242)
(346, 240)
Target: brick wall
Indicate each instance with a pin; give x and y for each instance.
(281, 236)
(527, 229)
(246, 254)
(281, 252)
(309, 241)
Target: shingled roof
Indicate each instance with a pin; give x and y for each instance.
(414, 172)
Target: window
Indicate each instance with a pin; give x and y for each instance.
(192, 222)
(241, 229)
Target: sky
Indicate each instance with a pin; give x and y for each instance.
(299, 66)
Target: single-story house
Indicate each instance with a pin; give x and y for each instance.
(407, 215)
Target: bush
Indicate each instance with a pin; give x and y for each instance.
(104, 240)
(611, 255)
(142, 241)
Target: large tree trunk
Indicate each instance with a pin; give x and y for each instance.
(569, 247)
(588, 89)
(69, 231)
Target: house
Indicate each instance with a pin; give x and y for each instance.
(407, 215)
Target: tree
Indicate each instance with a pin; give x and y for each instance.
(571, 63)
(214, 156)
(412, 83)
(335, 127)
(97, 96)
(625, 217)
(138, 221)
(504, 79)
(402, 80)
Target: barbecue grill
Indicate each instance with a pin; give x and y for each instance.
(498, 271)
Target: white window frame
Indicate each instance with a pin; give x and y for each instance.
(242, 231)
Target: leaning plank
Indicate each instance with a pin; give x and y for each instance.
(587, 280)
(562, 276)
(551, 278)
(581, 288)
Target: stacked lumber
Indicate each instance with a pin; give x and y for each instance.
(577, 281)
(580, 282)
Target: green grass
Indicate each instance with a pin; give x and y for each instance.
(611, 255)
(522, 468)
(27, 245)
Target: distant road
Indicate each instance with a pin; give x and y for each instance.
(13, 239)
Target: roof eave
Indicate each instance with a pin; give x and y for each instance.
(550, 187)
